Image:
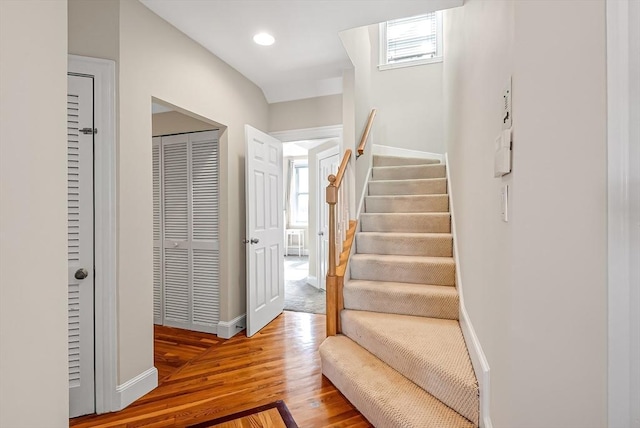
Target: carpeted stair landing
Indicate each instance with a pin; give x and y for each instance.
(401, 358)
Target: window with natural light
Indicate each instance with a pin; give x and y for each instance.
(411, 41)
(300, 194)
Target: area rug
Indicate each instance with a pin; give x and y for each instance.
(302, 297)
(272, 415)
(299, 296)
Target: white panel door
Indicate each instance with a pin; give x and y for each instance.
(80, 244)
(328, 163)
(265, 229)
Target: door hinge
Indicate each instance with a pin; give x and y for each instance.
(89, 131)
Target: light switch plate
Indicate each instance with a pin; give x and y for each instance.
(506, 110)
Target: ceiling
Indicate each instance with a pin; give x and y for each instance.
(307, 59)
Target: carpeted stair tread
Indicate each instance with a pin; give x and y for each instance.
(385, 160)
(407, 204)
(434, 301)
(425, 186)
(405, 243)
(406, 222)
(408, 172)
(430, 352)
(413, 269)
(385, 397)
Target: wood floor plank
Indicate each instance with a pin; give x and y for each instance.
(203, 377)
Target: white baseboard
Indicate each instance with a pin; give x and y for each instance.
(313, 280)
(478, 359)
(479, 362)
(397, 151)
(228, 329)
(135, 388)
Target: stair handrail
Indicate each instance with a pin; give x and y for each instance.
(341, 231)
(365, 134)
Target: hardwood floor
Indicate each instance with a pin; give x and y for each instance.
(202, 377)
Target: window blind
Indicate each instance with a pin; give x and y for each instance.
(410, 39)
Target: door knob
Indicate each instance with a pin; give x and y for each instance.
(320, 233)
(254, 240)
(81, 273)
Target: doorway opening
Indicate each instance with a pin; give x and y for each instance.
(304, 290)
(186, 283)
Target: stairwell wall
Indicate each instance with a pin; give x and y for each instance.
(535, 287)
(34, 376)
(357, 43)
(409, 102)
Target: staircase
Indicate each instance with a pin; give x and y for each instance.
(401, 358)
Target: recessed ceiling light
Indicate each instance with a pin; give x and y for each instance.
(264, 39)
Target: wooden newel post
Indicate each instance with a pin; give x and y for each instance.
(332, 279)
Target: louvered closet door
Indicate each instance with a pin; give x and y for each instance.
(204, 231)
(80, 245)
(188, 271)
(157, 233)
(175, 186)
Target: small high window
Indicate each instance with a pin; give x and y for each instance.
(411, 41)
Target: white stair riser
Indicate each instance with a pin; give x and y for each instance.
(434, 245)
(407, 204)
(429, 186)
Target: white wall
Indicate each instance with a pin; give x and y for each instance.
(33, 214)
(156, 60)
(409, 101)
(173, 122)
(306, 113)
(535, 288)
(357, 43)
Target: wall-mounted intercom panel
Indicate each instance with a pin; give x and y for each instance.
(502, 155)
(506, 110)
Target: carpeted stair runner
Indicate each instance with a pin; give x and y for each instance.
(406, 222)
(402, 359)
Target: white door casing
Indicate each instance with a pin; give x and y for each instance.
(80, 230)
(328, 163)
(264, 239)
